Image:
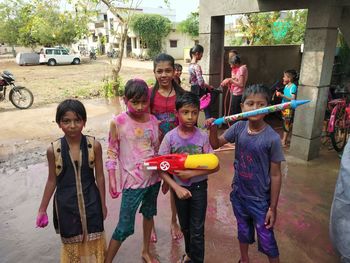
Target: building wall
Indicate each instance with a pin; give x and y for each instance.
(266, 63)
(184, 42)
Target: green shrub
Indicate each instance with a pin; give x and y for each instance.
(150, 82)
(113, 88)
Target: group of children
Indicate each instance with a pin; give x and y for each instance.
(158, 121)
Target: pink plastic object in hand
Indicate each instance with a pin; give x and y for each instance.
(204, 101)
(42, 220)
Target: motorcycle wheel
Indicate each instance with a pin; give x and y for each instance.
(21, 97)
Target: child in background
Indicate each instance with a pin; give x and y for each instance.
(237, 82)
(257, 180)
(79, 204)
(289, 93)
(177, 74)
(198, 85)
(190, 185)
(163, 96)
(133, 138)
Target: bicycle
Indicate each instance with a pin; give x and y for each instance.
(338, 126)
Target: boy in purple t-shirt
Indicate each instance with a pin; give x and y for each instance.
(257, 181)
(190, 186)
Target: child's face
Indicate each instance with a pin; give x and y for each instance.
(71, 124)
(286, 79)
(137, 106)
(164, 73)
(178, 73)
(198, 55)
(188, 116)
(254, 102)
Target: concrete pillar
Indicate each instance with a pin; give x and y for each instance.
(211, 37)
(137, 42)
(315, 75)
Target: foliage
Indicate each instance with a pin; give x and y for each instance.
(190, 25)
(9, 26)
(112, 88)
(270, 29)
(40, 23)
(151, 29)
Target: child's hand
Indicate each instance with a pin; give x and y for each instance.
(278, 94)
(42, 220)
(165, 188)
(270, 218)
(182, 193)
(225, 82)
(210, 88)
(209, 123)
(113, 186)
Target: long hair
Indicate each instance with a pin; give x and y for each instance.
(161, 58)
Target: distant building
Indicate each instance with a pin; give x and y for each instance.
(103, 38)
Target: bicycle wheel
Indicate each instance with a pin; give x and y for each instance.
(340, 133)
(21, 98)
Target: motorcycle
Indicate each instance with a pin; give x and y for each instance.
(92, 55)
(113, 54)
(19, 96)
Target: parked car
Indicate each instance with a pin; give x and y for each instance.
(27, 59)
(58, 55)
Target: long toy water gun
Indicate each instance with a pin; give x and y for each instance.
(171, 162)
(278, 107)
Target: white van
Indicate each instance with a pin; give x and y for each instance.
(58, 55)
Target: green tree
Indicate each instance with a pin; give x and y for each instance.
(152, 29)
(190, 25)
(40, 23)
(270, 29)
(10, 22)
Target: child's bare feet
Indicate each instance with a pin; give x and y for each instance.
(147, 258)
(175, 231)
(153, 238)
(184, 259)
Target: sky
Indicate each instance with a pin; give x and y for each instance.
(183, 7)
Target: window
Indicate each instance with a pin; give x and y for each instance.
(48, 51)
(173, 43)
(57, 52)
(64, 52)
(105, 17)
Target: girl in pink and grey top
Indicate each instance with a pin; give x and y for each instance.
(237, 83)
(133, 138)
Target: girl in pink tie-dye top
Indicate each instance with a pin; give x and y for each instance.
(133, 138)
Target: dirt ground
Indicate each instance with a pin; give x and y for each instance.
(52, 84)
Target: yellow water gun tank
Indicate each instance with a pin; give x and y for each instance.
(206, 161)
